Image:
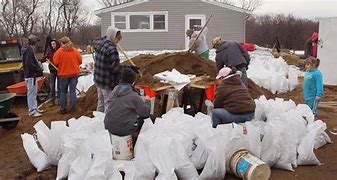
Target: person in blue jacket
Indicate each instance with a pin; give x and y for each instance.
(313, 84)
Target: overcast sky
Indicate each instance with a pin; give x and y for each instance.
(301, 8)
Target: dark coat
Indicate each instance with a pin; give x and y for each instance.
(124, 105)
(231, 54)
(107, 64)
(233, 96)
(31, 66)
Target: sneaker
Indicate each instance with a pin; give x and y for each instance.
(37, 114)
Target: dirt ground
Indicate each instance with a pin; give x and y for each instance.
(15, 164)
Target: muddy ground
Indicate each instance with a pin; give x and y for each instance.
(15, 164)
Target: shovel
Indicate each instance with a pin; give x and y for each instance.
(128, 58)
(80, 93)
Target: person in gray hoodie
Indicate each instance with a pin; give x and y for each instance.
(231, 54)
(126, 108)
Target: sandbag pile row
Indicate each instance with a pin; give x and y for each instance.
(273, 74)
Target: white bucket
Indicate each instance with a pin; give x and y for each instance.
(122, 147)
(247, 166)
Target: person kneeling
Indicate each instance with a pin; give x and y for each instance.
(126, 109)
(232, 102)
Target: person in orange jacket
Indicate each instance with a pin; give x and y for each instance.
(68, 61)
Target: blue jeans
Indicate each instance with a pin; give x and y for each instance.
(31, 84)
(65, 83)
(222, 116)
(53, 79)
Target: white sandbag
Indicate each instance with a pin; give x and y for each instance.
(42, 133)
(306, 112)
(100, 147)
(199, 155)
(160, 155)
(184, 168)
(144, 167)
(272, 146)
(58, 128)
(254, 141)
(72, 142)
(128, 167)
(321, 140)
(306, 155)
(37, 157)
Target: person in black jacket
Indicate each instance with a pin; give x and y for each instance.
(31, 69)
(231, 54)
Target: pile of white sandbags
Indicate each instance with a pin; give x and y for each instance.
(273, 74)
(282, 134)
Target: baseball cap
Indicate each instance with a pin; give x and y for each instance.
(32, 39)
(224, 72)
(216, 41)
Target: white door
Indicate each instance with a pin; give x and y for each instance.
(190, 21)
(327, 49)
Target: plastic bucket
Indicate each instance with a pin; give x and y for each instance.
(247, 166)
(148, 91)
(122, 147)
(210, 92)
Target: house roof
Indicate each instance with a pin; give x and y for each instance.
(135, 2)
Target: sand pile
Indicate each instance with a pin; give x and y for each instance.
(184, 62)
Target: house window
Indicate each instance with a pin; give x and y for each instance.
(120, 21)
(141, 21)
(158, 21)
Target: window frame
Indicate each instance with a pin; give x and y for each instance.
(150, 13)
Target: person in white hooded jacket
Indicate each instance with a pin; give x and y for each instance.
(200, 46)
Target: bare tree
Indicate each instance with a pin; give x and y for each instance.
(8, 16)
(250, 5)
(27, 17)
(109, 3)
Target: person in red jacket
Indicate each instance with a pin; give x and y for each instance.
(53, 78)
(232, 100)
(68, 61)
(311, 45)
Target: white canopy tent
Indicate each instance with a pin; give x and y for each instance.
(327, 52)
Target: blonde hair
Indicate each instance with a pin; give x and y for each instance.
(66, 42)
(313, 61)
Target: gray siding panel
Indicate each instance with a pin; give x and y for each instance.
(226, 23)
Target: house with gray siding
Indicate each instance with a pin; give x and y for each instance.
(161, 24)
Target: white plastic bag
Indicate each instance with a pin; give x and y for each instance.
(58, 128)
(37, 157)
(42, 133)
(199, 155)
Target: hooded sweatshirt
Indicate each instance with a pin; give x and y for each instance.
(201, 42)
(124, 105)
(231, 54)
(107, 66)
(313, 84)
(233, 96)
(31, 66)
(68, 62)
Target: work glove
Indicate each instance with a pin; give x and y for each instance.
(135, 69)
(318, 98)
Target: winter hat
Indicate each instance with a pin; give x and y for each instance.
(32, 39)
(128, 76)
(314, 36)
(224, 72)
(111, 33)
(216, 41)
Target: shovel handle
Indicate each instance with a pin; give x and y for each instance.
(128, 58)
(195, 40)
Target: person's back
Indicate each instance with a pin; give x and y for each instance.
(230, 54)
(125, 106)
(234, 96)
(68, 62)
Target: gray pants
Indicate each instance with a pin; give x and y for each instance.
(244, 77)
(102, 99)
